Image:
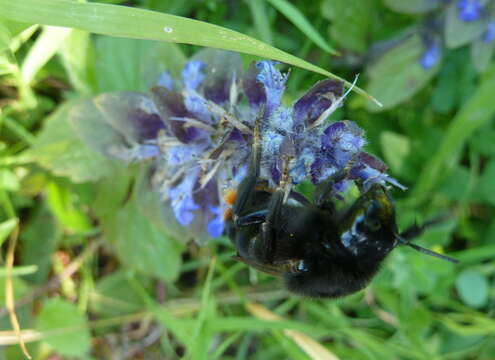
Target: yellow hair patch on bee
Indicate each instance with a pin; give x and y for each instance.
(230, 196)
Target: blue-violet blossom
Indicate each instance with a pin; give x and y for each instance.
(198, 132)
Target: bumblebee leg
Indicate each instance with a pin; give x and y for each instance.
(256, 217)
(264, 248)
(326, 192)
(247, 187)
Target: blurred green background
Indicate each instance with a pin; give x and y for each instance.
(86, 287)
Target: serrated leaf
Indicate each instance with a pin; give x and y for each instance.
(412, 6)
(398, 74)
(141, 245)
(123, 21)
(395, 148)
(64, 328)
(459, 32)
(351, 21)
(59, 149)
(472, 287)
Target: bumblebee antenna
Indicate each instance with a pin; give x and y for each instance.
(425, 251)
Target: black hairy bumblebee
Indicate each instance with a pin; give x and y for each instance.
(318, 251)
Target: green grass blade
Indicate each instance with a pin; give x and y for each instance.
(45, 47)
(260, 19)
(122, 21)
(479, 109)
(298, 19)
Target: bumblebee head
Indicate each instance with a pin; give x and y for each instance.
(370, 229)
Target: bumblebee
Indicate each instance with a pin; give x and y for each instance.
(317, 250)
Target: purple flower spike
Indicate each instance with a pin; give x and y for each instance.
(193, 75)
(489, 34)
(198, 134)
(430, 56)
(469, 10)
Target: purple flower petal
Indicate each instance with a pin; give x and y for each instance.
(182, 154)
(273, 82)
(224, 67)
(171, 107)
(132, 114)
(430, 56)
(489, 34)
(319, 98)
(469, 10)
(198, 107)
(181, 198)
(192, 75)
(165, 80)
(253, 89)
(215, 227)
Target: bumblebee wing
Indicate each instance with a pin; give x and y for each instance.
(278, 269)
(266, 268)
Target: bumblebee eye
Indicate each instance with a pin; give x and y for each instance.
(372, 216)
(372, 224)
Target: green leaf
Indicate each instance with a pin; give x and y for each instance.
(6, 228)
(77, 55)
(398, 74)
(485, 190)
(59, 149)
(482, 141)
(39, 240)
(473, 288)
(296, 17)
(351, 22)
(456, 185)
(412, 6)
(5, 37)
(64, 328)
(65, 206)
(8, 180)
(458, 32)
(7, 60)
(111, 193)
(475, 113)
(114, 296)
(123, 21)
(130, 64)
(395, 148)
(482, 54)
(141, 245)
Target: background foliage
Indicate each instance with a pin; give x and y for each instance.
(96, 276)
